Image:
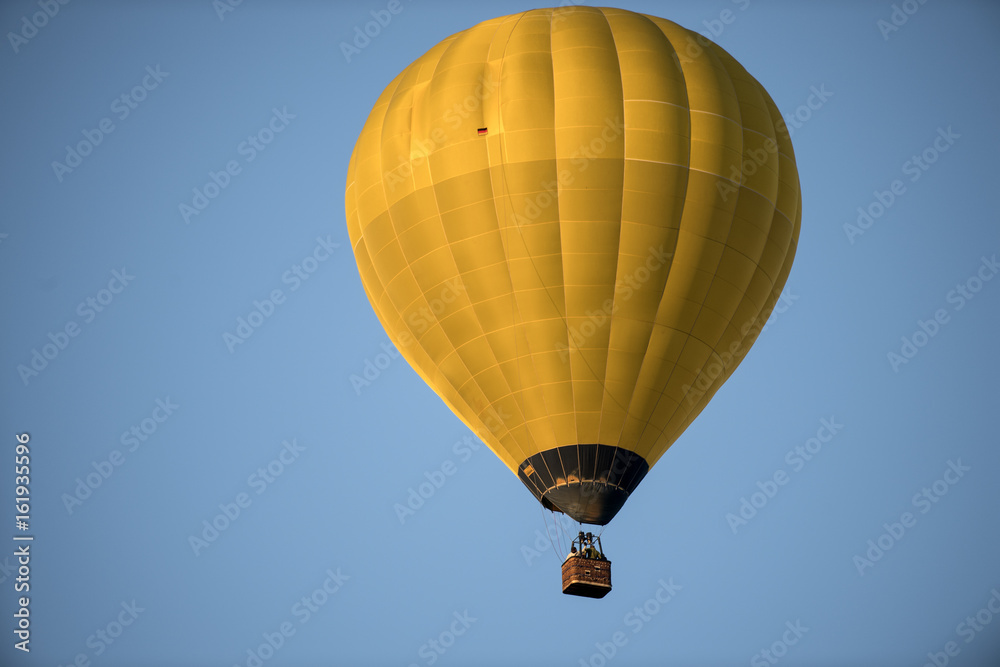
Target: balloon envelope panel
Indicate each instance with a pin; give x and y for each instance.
(573, 223)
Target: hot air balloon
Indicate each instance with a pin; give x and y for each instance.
(573, 224)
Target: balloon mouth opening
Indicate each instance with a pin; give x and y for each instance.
(586, 503)
(589, 483)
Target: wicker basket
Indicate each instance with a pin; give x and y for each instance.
(586, 577)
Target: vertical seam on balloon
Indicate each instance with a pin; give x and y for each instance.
(408, 267)
(687, 181)
(621, 211)
(528, 256)
(784, 269)
(559, 225)
(472, 376)
(381, 124)
(558, 211)
(516, 317)
(769, 302)
(709, 52)
(514, 395)
(539, 385)
(565, 314)
(546, 288)
(549, 296)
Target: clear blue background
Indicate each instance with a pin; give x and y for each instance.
(478, 544)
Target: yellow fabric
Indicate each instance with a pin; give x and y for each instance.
(594, 266)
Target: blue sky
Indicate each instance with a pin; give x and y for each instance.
(148, 424)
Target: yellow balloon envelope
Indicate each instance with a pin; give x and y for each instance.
(573, 224)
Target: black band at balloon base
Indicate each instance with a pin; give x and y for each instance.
(589, 483)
